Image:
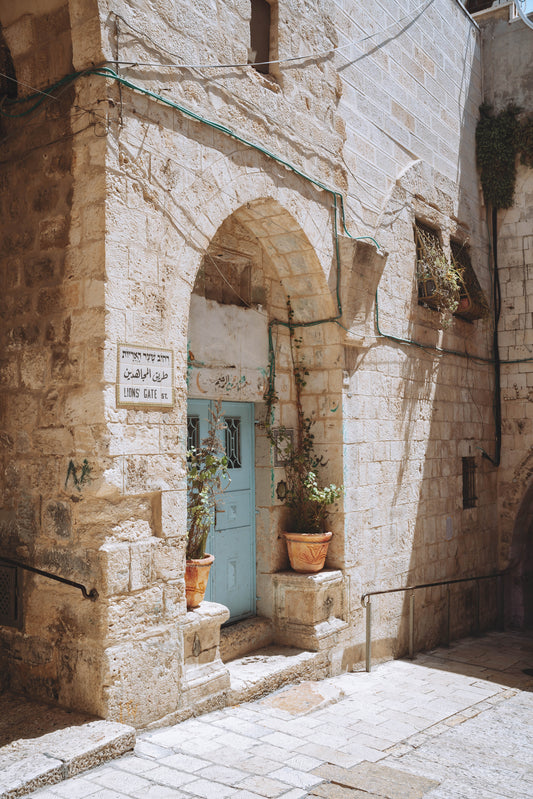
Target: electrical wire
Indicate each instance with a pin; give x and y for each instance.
(338, 204)
(308, 56)
(338, 201)
(27, 86)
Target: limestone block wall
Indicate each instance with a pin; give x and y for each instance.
(411, 82)
(51, 339)
(409, 102)
(411, 415)
(149, 190)
(508, 74)
(412, 98)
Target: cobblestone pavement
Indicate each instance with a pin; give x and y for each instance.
(456, 723)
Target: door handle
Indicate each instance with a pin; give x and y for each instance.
(217, 511)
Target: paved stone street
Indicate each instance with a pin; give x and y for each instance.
(456, 723)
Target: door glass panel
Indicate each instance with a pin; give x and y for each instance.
(193, 432)
(233, 441)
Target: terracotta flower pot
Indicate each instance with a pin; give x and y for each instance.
(196, 576)
(307, 551)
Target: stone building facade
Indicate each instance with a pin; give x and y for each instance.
(161, 196)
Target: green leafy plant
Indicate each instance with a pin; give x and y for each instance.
(525, 141)
(440, 281)
(207, 478)
(307, 501)
(499, 139)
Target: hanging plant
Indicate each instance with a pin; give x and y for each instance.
(498, 140)
(525, 144)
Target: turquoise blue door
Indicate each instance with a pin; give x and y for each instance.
(232, 537)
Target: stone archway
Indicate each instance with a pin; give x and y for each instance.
(258, 257)
(519, 581)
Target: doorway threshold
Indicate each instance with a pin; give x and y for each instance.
(242, 637)
(270, 668)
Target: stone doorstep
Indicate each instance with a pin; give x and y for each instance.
(238, 640)
(28, 764)
(268, 669)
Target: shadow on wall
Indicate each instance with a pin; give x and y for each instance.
(440, 411)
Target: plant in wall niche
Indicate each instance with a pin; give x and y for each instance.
(439, 282)
(207, 478)
(307, 502)
(472, 301)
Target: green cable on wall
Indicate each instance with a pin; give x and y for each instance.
(338, 204)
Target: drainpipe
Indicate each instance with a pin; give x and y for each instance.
(497, 302)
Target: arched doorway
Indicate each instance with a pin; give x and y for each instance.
(258, 258)
(519, 582)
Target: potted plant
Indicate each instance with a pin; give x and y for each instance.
(207, 477)
(472, 302)
(439, 281)
(307, 503)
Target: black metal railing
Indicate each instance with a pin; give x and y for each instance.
(91, 594)
(367, 604)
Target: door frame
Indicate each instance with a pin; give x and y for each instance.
(194, 403)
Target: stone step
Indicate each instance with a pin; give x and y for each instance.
(238, 640)
(268, 669)
(44, 744)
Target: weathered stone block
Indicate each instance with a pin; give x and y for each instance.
(142, 679)
(308, 608)
(141, 564)
(115, 560)
(201, 632)
(168, 558)
(56, 520)
(53, 232)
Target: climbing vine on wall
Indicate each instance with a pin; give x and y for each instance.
(499, 139)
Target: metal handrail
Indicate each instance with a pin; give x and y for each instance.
(367, 604)
(92, 594)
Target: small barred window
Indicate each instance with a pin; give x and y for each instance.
(469, 482)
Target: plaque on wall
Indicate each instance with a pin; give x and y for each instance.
(240, 385)
(144, 377)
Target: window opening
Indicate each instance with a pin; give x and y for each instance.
(424, 236)
(260, 21)
(469, 482)
(233, 441)
(472, 302)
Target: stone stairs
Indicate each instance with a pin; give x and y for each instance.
(41, 744)
(257, 666)
(269, 669)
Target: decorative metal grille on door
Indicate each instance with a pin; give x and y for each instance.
(233, 441)
(193, 432)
